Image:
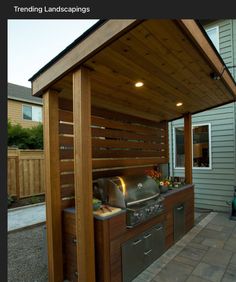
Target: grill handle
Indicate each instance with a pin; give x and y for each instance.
(142, 200)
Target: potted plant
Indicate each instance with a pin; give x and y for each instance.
(163, 183)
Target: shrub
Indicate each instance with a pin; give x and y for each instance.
(25, 138)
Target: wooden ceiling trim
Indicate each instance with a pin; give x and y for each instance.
(101, 37)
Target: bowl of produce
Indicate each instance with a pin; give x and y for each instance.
(96, 204)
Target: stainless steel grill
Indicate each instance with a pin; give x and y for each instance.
(139, 195)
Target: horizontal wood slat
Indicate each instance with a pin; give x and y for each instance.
(104, 113)
(67, 178)
(66, 203)
(67, 191)
(65, 128)
(66, 154)
(122, 134)
(65, 104)
(106, 163)
(66, 116)
(67, 165)
(124, 126)
(126, 144)
(111, 153)
(120, 171)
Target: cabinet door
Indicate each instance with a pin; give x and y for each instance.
(132, 258)
(179, 221)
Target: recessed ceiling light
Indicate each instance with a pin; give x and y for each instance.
(179, 104)
(139, 84)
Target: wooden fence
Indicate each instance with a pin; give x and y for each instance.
(25, 173)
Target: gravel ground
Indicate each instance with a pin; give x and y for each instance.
(27, 261)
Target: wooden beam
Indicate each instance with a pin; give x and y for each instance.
(83, 175)
(52, 186)
(188, 147)
(97, 40)
(194, 31)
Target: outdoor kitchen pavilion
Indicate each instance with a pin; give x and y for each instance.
(92, 83)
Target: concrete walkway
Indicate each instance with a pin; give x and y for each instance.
(23, 217)
(206, 253)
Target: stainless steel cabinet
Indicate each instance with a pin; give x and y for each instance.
(179, 221)
(141, 251)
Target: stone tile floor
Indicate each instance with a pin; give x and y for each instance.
(206, 253)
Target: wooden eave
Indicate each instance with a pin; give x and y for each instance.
(173, 58)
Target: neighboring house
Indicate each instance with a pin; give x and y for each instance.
(23, 108)
(214, 131)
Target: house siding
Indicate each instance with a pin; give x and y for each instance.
(213, 187)
(227, 37)
(15, 114)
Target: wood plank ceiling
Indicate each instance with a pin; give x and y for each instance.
(159, 54)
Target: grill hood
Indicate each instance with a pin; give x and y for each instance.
(126, 191)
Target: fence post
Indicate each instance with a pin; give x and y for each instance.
(17, 177)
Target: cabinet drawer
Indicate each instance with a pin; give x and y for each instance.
(132, 258)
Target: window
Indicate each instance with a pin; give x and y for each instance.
(213, 33)
(201, 146)
(33, 113)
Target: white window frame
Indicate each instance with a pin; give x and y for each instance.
(210, 151)
(217, 43)
(31, 120)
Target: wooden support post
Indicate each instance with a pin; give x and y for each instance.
(83, 175)
(52, 186)
(188, 148)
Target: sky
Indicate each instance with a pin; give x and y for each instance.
(33, 43)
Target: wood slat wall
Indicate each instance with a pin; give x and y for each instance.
(121, 144)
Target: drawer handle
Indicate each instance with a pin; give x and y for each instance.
(180, 208)
(137, 242)
(76, 274)
(159, 228)
(74, 240)
(148, 252)
(147, 236)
